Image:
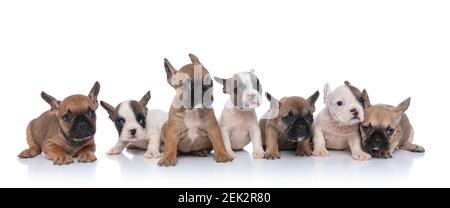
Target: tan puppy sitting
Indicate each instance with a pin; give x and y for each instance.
(66, 130)
(385, 128)
(288, 125)
(192, 125)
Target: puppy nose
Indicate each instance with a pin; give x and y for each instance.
(133, 132)
(353, 110)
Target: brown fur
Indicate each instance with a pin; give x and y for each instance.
(175, 132)
(47, 132)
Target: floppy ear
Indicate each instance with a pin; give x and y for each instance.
(365, 99)
(223, 82)
(144, 100)
(326, 91)
(54, 103)
(194, 59)
(403, 106)
(94, 92)
(313, 98)
(356, 92)
(170, 71)
(108, 108)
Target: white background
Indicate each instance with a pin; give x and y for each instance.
(395, 49)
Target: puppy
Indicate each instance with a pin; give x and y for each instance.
(66, 130)
(337, 125)
(192, 125)
(238, 123)
(288, 125)
(385, 127)
(138, 127)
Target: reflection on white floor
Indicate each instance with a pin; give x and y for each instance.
(130, 169)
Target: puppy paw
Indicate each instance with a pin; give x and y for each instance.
(272, 155)
(386, 154)
(223, 157)
(320, 152)
(167, 161)
(304, 153)
(114, 151)
(87, 157)
(62, 159)
(29, 153)
(418, 149)
(258, 154)
(152, 154)
(231, 153)
(360, 155)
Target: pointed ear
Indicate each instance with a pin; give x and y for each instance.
(365, 99)
(223, 82)
(170, 71)
(356, 92)
(108, 108)
(194, 59)
(144, 100)
(94, 92)
(403, 106)
(54, 103)
(313, 98)
(326, 91)
(274, 103)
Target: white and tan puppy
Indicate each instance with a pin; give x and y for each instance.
(238, 122)
(337, 125)
(138, 127)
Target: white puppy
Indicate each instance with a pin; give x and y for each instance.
(138, 127)
(238, 123)
(337, 125)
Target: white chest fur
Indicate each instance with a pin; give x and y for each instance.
(192, 122)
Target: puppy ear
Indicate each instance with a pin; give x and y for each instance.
(194, 59)
(403, 106)
(326, 91)
(223, 82)
(144, 100)
(365, 99)
(170, 71)
(356, 92)
(54, 103)
(274, 103)
(313, 98)
(94, 92)
(108, 108)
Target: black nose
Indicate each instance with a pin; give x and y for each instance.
(133, 132)
(81, 125)
(353, 110)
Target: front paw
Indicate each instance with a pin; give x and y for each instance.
(152, 154)
(167, 161)
(223, 157)
(114, 151)
(386, 154)
(320, 152)
(62, 159)
(231, 153)
(361, 155)
(87, 157)
(273, 155)
(304, 152)
(258, 154)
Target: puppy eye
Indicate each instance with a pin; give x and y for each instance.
(67, 117)
(366, 129)
(339, 103)
(120, 121)
(141, 121)
(91, 113)
(390, 131)
(289, 118)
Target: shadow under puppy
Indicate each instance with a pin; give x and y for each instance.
(192, 125)
(337, 125)
(238, 122)
(66, 130)
(385, 127)
(138, 127)
(288, 125)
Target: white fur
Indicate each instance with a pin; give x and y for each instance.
(335, 126)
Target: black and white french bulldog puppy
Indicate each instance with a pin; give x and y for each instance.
(138, 127)
(238, 123)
